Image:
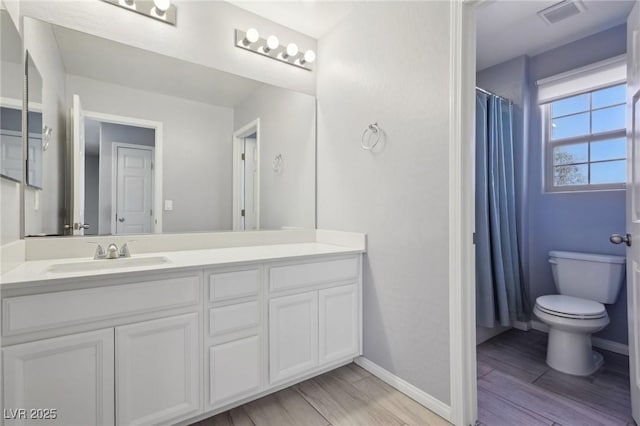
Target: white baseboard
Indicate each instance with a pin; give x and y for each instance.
(421, 397)
(598, 342)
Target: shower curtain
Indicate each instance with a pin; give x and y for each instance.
(500, 295)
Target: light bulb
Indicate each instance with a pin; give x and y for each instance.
(162, 5)
(272, 42)
(292, 49)
(309, 57)
(251, 36)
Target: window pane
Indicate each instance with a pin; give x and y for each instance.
(570, 154)
(609, 172)
(570, 175)
(566, 127)
(570, 105)
(609, 149)
(608, 119)
(609, 96)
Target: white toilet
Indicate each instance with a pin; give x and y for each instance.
(585, 281)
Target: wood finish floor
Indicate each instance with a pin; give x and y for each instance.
(516, 387)
(348, 396)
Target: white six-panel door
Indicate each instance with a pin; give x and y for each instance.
(633, 204)
(72, 374)
(134, 190)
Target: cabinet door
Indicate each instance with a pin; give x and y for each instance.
(158, 371)
(293, 335)
(339, 324)
(234, 369)
(71, 374)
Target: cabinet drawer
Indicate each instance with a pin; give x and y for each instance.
(302, 274)
(50, 310)
(235, 284)
(233, 318)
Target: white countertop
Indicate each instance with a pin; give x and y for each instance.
(37, 272)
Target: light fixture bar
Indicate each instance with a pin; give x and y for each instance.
(162, 11)
(265, 46)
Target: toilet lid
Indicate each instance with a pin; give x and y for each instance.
(570, 307)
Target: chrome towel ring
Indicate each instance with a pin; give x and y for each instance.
(371, 137)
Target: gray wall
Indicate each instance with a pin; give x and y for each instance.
(110, 133)
(49, 216)
(578, 221)
(388, 62)
(91, 191)
(287, 127)
(196, 150)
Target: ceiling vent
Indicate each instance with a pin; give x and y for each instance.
(561, 11)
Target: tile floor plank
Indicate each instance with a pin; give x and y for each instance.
(284, 408)
(553, 406)
(343, 405)
(403, 407)
(496, 411)
(350, 373)
(234, 417)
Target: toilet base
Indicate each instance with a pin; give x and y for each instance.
(571, 353)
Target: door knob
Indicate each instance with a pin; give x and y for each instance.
(619, 239)
(121, 219)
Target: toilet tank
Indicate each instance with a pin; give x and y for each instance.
(590, 276)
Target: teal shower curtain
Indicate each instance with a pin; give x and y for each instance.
(500, 296)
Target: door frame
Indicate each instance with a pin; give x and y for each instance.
(114, 178)
(238, 136)
(157, 175)
(462, 280)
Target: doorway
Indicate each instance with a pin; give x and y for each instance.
(117, 174)
(246, 177)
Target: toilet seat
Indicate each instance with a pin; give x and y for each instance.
(570, 307)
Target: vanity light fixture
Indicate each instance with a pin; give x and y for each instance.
(161, 10)
(271, 48)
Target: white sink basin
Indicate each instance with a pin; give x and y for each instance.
(105, 264)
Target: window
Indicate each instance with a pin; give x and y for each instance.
(586, 144)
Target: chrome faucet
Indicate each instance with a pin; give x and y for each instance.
(112, 251)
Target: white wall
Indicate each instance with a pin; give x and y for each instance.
(46, 216)
(287, 127)
(196, 150)
(204, 35)
(389, 62)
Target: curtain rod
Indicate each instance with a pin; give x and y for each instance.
(486, 92)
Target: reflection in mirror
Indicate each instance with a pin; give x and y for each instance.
(164, 145)
(34, 124)
(10, 99)
(11, 88)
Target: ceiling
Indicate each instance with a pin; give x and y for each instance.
(105, 60)
(510, 28)
(313, 18)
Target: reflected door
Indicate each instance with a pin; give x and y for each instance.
(78, 168)
(250, 183)
(134, 213)
(633, 205)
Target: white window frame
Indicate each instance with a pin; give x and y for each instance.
(589, 138)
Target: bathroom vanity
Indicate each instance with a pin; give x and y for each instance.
(178, 337)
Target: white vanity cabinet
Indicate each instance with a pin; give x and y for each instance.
(318, 321)
(71, 375)
(235, 334)
(172, 347)
(141, 367)
(158, 370)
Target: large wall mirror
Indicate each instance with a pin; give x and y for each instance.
(145, 143)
